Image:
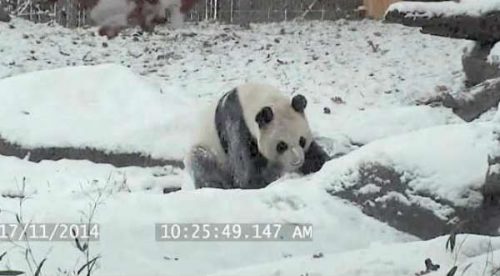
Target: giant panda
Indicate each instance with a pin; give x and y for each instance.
(250, 137)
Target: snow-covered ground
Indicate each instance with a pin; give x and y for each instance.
(476, 256)
(370, 75)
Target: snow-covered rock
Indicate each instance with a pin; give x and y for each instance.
(424, 182)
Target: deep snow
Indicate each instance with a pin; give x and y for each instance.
(371, 91)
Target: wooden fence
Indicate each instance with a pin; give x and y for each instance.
(67, 13)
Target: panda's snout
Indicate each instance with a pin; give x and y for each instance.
(297, 157)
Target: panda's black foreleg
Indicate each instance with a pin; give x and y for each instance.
(249, 169)
(239, 156)
(315, 158)
(206, 171)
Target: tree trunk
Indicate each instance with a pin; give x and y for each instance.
(4, 15)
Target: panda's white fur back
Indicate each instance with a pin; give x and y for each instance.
(206, 135)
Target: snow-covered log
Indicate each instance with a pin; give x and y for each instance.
(467, 20)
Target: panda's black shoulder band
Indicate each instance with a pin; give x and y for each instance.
(227, 103)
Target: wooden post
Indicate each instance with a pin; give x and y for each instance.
(376, 8)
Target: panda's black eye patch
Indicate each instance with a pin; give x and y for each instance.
(281, 147)
(302, 142)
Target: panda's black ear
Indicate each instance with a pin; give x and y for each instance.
(299, 103)
(264, 117)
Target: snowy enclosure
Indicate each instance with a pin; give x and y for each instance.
(93, 129)
(112, 121)
(68, 13)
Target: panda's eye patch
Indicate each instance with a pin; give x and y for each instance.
(281, 147)
(302, 141)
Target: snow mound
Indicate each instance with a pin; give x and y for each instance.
(105, 107)
(446, 8)
(67, 177)
(472, 258)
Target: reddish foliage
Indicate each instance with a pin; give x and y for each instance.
(141, 15)
(187, 5)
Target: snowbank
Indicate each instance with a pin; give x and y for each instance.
(128, 245)
(471, 258)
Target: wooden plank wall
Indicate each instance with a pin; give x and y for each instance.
(376, 8)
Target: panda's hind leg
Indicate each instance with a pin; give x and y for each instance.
(206, 171)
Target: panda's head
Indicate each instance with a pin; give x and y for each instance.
(284, 134)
